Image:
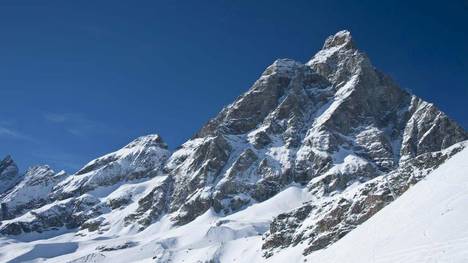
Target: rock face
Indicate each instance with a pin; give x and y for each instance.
(329, 217)
(33, 190)
(335, 116)
(45, 199)
(153, 205)
(141, 158)
(9, 175)
(334, 125)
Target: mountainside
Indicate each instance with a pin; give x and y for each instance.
(300, 122)
(44, 200)
(310, 152)
(32, 191)
(427, 224)
(9, 175)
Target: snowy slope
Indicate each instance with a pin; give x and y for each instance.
(210, 236)
(33, 190)
(429, 223)
(107, 188)
(133, 161)
(426, 224)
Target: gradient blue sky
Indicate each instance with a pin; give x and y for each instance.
(82, 78)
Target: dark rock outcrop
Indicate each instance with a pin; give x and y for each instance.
(9, 175)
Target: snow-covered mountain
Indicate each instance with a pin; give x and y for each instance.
(32, 191)
(46, 200)
(309, 153)
(426, 224)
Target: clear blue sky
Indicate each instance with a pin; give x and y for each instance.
(82, 78)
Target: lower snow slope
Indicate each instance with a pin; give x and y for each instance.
(429, 223)
(208, 237)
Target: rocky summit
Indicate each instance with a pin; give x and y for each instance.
(334, 137)
(9, 175)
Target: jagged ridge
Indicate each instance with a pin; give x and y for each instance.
(330, 125)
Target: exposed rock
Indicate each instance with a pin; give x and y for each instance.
(120, 246)
(45, 199)
(322, 222)
(33, 190)
(141, 158)
(335, 118)
(69, 213)
(8, 174)
(153, 205)
(428, 130)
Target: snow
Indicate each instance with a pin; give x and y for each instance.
(142, 154)
(331, 47)
(285, 66)
(208, 236)
(426, 224)
(344, 92)
(36, 185)
(323, 55)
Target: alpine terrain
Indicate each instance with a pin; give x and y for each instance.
(317, 162)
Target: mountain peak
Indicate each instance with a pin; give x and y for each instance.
(7, 159)
(7, 163)
(39, 169)
(9, 175)
(148, 140)
(342, 38)
(339, 59)
(283, 67)
(142, 157)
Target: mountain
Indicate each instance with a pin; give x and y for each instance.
(46, 200)
(300, 122)
(309, 153)
(427, 224)
(9, 175)
(32, 191)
